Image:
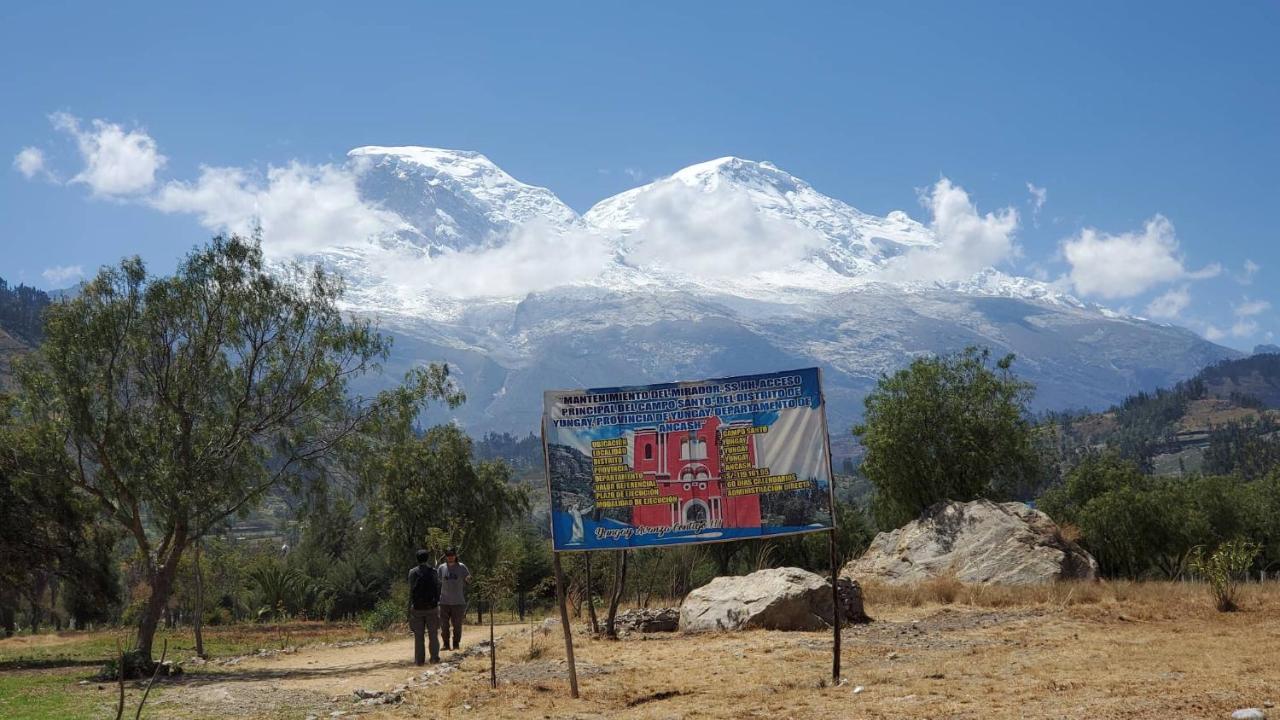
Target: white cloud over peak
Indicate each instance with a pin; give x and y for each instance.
(1170, 305)
(301, 208)
(1128, 264)
(116, 162)
(535, 256)
(30, 162)
(967, 240)
(713, 234)
(61, 275)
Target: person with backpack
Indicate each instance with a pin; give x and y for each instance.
(424, 601)
(454, 578)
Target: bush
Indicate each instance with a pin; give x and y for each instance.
(383, 615)
(1223, 568)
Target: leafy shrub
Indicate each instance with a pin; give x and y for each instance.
(383, 615)
(1222, 569)
(136, 665)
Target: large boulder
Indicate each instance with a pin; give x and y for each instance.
(977, 542)
(776, 599)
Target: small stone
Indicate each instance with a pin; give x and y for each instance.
(893, 656)
(84, 682)
(858, 689)
(1249, 714)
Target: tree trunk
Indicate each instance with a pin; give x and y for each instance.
(619, 583)
(591, 602)
(199, 619)
(161, 587)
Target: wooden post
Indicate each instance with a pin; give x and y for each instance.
(564, 623)
(831, 535)
(835, 599)
(493, 653)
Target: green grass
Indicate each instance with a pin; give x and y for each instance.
(57, 694)
(92, 648)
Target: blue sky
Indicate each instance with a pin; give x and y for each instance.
(1155, 126)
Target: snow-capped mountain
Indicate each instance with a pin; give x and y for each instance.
(725, 267)
(854, 243)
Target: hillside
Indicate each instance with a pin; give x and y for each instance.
(10, 348)
(21, 311)
(1214, 422)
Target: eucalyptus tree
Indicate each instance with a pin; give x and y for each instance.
(184, 399)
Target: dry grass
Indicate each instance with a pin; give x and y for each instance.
(939, 650)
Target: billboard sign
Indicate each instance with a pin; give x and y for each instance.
(690, 462)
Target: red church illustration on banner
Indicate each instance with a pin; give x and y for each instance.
(686, 464)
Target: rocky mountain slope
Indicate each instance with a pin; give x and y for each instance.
(636, 291)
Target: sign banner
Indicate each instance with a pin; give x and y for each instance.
(691, 462)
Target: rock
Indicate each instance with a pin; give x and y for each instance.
(362, 694)
(776, 599)
(977, 542)
(649, 620)
(1249, 714)
(850, 596)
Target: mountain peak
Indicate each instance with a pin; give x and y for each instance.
(454, 198)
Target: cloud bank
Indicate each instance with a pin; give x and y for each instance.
(301, 208)
(713, 234)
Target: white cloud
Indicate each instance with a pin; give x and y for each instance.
(1170, 305)
(1212, 333)
(1124, 265)
(307, 208)
(60, 276)
(30, 162)
(1251, 268)
(536, 256)
(116, 162)
(1038, 197)
(1251, 307)
(967, 241)
(1244, 327)
(301, 208)
(711, 234)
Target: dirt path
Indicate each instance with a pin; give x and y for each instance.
(309, 682)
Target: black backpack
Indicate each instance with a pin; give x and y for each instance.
(424, 588)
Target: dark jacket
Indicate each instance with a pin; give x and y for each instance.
(424, 588)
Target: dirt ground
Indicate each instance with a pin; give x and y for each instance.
(1099, 651)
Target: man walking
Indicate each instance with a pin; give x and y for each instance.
(454, 578)
(424, 597)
